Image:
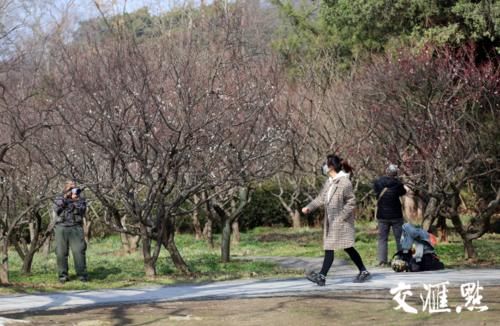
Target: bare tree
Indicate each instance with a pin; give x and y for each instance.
(322, 118)
(229, 206)
(24, 116)
(434, 114)
(293, 185)
(153, 122)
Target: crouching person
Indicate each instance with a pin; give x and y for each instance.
(417, 253)
(70, 210)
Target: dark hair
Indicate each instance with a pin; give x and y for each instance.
(338, 164)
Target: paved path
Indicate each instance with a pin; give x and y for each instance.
(340, 279)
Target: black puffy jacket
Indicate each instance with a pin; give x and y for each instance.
(69, 212)
(388, 205)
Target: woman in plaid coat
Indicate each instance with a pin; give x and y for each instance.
(338, 200)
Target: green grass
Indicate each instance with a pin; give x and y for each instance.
(109, 268)
(308, 243)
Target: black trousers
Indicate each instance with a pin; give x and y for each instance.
(353, 254)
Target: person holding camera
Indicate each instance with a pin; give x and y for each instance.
(70, 210)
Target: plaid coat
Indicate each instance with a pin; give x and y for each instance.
(338, 231)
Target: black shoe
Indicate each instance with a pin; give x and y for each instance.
(362, 276)
(316, 278)
(63, 279)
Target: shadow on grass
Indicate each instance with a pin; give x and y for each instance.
(102, 273)
(17, 288)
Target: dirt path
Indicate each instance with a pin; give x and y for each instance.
(239, 302)
(326, 308)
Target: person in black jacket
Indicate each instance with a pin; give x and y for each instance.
(388, 189)
(70, 209)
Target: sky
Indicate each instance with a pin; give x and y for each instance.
(87, 8)
(46, 15)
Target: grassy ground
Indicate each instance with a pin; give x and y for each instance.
(110, 268)
(308, 243)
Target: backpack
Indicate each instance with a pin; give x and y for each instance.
(406, 263)
(429, 262)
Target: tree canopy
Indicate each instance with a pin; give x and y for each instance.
(354, 29)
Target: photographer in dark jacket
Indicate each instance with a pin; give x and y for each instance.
(70, 209)
(388, 189)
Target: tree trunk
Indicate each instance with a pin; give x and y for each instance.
(46, 246)
(208, 234)
(149, 268)
(198, 233)
(470, 252)
(133, 243)
(476, 230)
(176, 257)
(295, 216)
(130, 243)
(33, 228)
(413, 208)
(18, 245)
(226, 240)
(29, 252)
(207, 229)
(87, 229)
(430, 214)
(125, 243)
(4, 262)
(28, 262)
(4, 273)
(443, 235)
(292, 213)
(168, 240)
(149, 262)
(442, 229)
(236, 232)
(420, 209)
